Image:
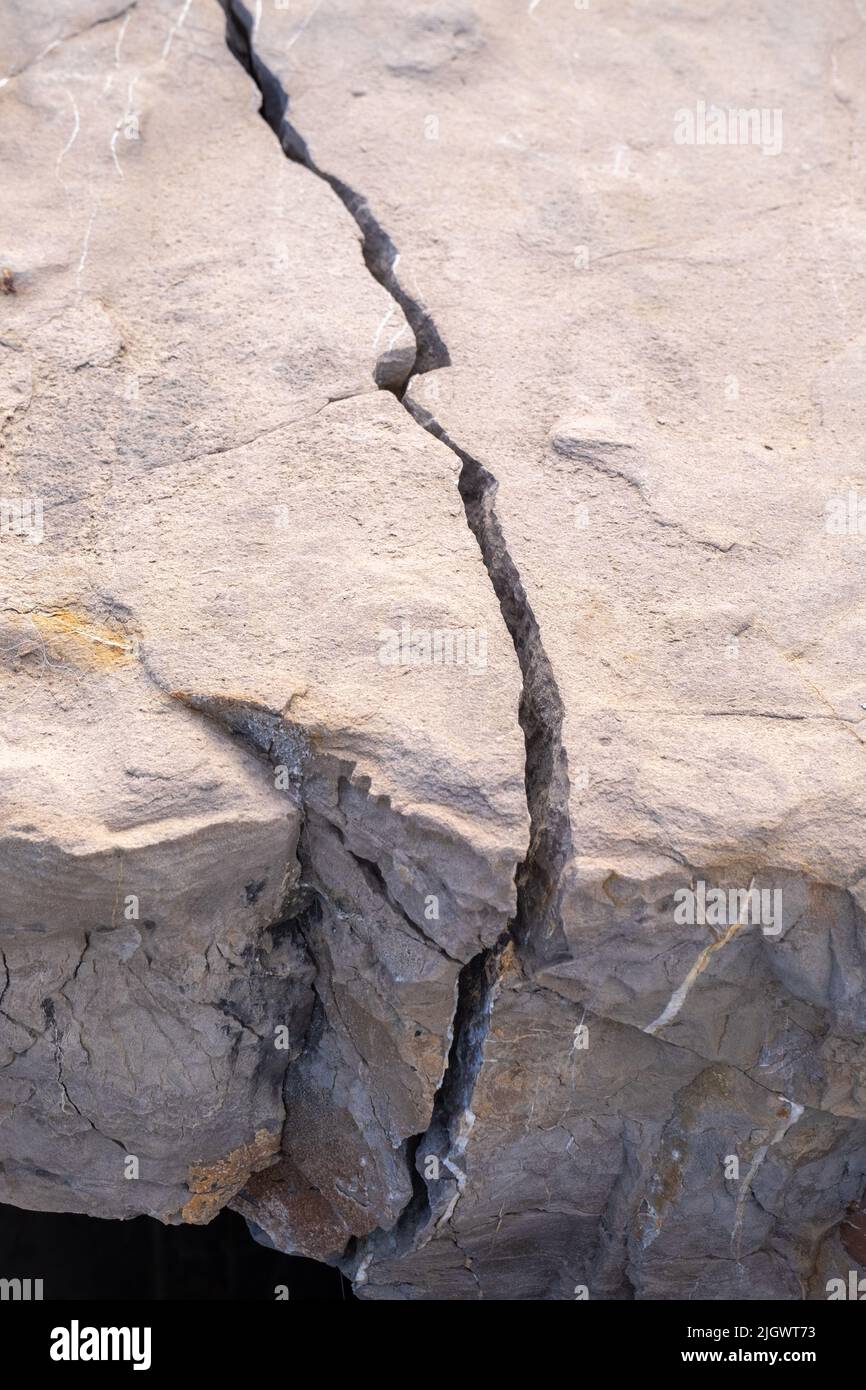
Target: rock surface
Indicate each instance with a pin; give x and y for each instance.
(232, 514)
(291, 911)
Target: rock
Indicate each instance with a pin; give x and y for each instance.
(533, 843)
(636, 335)
(227, 817)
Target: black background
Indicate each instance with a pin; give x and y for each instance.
(81, 1257)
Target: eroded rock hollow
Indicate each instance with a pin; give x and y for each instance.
(431, 774)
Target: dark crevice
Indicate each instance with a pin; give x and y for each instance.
(434, 1157)
(537, 930)
(380, 253)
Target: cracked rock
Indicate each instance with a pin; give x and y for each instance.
(237, 835)
(431, 700)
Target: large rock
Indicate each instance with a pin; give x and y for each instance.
(651, 345)
(197, 656)
(502, 277)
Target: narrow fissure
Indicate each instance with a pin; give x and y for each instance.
(380, 253)
(434, 1156)
(536, 930)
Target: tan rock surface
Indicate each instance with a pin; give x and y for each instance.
(231, 514)
(504, 278)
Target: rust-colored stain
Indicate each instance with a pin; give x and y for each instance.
(73, 636)
(509, 965)
(214, 1184)
(664, 1189)
(7, 281)
(670, 1179)
(606, 889)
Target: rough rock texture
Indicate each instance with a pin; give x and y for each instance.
(263, 372)
(232, 513)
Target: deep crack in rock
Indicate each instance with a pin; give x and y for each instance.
(436, 1155)
(536, 930)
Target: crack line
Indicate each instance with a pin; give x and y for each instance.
(536, 931)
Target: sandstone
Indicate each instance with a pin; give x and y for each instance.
(291, 751)
(232, 513)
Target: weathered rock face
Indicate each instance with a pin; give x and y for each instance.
(196, 658)
(477, 906)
